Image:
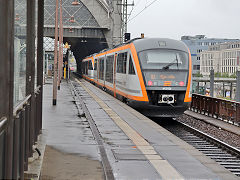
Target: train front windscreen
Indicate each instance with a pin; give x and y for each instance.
(163, 67)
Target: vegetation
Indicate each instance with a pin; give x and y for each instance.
(217, 74)
(198, 74)
(226, 98)
(224, 75)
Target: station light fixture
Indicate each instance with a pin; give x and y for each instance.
(70, 30)
(17, 18)
(72, 20)
(75, 2)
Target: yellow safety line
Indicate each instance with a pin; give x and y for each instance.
(165, 170)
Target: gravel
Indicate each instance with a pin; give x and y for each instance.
(221, 134)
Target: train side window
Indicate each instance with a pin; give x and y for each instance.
(122, 62)
(90, 67)
(101, 68)
(95, 64)
(86, 67)
(109, 68)
(131, 69)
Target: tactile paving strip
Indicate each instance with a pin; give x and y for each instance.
(165, 170)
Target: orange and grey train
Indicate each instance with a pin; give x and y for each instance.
(151, 75)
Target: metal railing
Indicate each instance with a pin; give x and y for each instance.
(216, 107)
(3, 123)
(25, 130)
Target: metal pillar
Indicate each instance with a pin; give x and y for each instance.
(231, 90)
(30, 67)
(68, 64)
(212, 83)
(55, 57)
(6, 82)
(223, 89)
(205, 87)
(124, 29)
(40, 61)
(237, 97)
(124, 18)
(197, 89)
(60, 62)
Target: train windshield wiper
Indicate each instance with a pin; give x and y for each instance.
(172, 63)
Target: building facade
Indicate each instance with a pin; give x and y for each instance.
(223, 58)
(199, 43)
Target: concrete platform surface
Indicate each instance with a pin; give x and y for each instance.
(71, 151)
(135, 146)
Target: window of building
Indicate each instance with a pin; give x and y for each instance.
(198, 58)
(122, 62)
(196, 67)
(199, 50)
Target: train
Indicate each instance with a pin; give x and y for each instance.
(152, 75)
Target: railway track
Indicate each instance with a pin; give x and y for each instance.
(222, 153)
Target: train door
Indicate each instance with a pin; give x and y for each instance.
(132, 78)
(98, 69)
(121, 68)
(114, 74)
(95, 70)
(104, 71)
(86, 68)
(101, 70)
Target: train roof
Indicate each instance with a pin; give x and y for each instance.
(150, 43)
(163, 43)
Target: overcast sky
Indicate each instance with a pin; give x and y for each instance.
(175, 18)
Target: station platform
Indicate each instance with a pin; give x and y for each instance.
(92, 135)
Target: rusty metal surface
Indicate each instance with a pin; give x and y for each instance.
(216, 107)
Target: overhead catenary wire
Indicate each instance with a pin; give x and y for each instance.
(142, 10)
(133, 7)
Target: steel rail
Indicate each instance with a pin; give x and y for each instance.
(105, 162)
(221, 152)
(234, 151)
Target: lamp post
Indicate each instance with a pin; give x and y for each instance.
(55, 57)
(60, 64)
